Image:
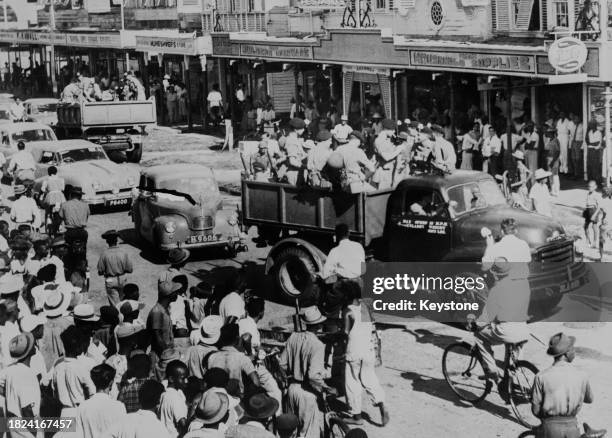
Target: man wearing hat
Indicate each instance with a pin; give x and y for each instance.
(10, 328)
(342, 130)
(539, 193)
(559, 391)
(260, 164)
(210, 415)
(553, 148)
(24, 210)
(209, 333)
(303, 361)
(444, 152)
(35, 324)
(21, 388)
(114, 265)
(355, 161)
(75, 214)
(55, 311)
(386, 155)
(317, 158)
(294, 148)
(259, 409)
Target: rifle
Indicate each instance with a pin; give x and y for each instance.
(247, 168)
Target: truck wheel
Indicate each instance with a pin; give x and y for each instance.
(135, 155)
(293, 272)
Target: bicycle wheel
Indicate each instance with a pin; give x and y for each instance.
(463, 371)
(520, 393)
(336, 428)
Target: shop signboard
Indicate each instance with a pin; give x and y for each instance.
(567, 54)
(109, 41)
(178, 46)
(474, 61)
(98, 6)
(277, 52)
(366, 69)
(222, 46)
(473, 3)
(313, 5)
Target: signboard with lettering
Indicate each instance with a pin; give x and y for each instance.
(311, 5)
(31, 37)
(474, 61)
(366, 69)
(567, 54)
(110, 41)
(179, 46)
(222, 46)
(277, 52)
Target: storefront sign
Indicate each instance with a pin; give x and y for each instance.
(98, 6)
(110, 41)
(30, 37)
(473, 61)
(472, 3)
(221, 45)
(567, 54)
(179, 46)
(279, 52)
(321, 4)
(366, 69)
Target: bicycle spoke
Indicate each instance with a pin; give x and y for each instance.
(464, 373)
(521, 382)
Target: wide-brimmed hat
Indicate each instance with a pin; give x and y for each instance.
(10, 284)
(312, 315)
(437, 128)
(125, 330)
(178, 255)
(85, 312)
(167, 288)
(589, 432)
(260, 406)
(210, 329)
(519, 155)
(541, 174)
(110, 234)
(76, 191)
(21, 346)
(388, 124)
(212, 407)
(19, 189)
(30, 322)
(56, 304)
(560, 344)
(297, 123)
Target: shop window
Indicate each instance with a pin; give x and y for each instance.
(560, 11)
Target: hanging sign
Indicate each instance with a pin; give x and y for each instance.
(567, 54)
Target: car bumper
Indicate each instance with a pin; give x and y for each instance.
(110, 200)
(236, 244)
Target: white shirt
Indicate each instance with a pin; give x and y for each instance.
(4, 247)
(345, 260)
(21, 389)
(71, 382)
(139, 424)
(7, 332)
(172, 408)
(231, 305)
(445, 152)
(25, 210)
(541, 198)
(240, 95)
(22, 160)
(248, 325)
(341, 131)
(511, 248)
(214, 98)
(96, 415)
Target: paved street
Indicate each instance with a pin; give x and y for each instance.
(412, 350)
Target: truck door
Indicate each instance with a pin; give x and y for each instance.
(420, 227)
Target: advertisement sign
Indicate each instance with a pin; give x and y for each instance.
(279, 52)
(474, 61)
(321, 4)
(98, 6)
(366, 69)
(179, 46)
(567, 54)
(94, 40)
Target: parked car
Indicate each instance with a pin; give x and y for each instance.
(29, 132)
(5, 112)
(86, 165)
(42, 110)
(179, 205)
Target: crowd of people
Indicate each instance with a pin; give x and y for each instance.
(81, 88)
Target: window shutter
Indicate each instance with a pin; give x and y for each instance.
(503, 14)
(494, 15)
(404, 6)
(543, 14)
(578, 5)
(524, 14)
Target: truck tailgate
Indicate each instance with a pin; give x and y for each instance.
(91, 114)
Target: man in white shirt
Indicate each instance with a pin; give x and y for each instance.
(98, 414)
(232, 305)
(24, 210)
(173, 405)
(248, 325)
(19, 385)
(444, 151)
(530, 142)
(342, 130)
(492, 145)
(540, 194)
(17, 110)
(143, 423)
(215, 103)
(347, 259)
(355, 160)
(22, 165)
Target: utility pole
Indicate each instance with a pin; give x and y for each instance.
(606, 159)
(52, 61)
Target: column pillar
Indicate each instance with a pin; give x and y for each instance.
(508, 164)
(451, 86)
(204, 91)
(187, 80)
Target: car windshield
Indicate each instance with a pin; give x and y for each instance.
(83, 154)
(202, 190)
(44, 107)
(474, 195)
(33, 135)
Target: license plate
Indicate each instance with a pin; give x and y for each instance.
(117, 202)
(203, 238)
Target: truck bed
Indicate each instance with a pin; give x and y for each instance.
(98, 114)
(288, 207)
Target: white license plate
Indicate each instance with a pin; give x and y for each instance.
(117, 202)
(203, 239)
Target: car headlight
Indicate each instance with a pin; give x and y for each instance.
(96, 185)
(170, 227)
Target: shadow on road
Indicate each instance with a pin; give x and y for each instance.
(423, 336)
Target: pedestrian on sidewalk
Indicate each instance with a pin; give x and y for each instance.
(594, 143)
(114, 265)
(553, 147)
(591, 213)
(540, 195)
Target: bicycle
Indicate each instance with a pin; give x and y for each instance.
(334, 425)
(463, 370)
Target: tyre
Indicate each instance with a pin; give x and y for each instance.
(293, 271)
(135, 155)
(336, 428)
(520, 393)
(463, 371)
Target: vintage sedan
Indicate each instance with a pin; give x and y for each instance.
(29, 132)
(84, 164)
(179, 205)
(42, 110)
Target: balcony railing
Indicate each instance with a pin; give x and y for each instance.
(150, 4)
(234, 22)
